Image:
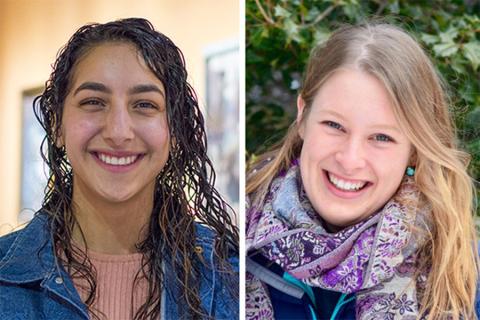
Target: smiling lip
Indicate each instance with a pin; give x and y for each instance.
(118, 161)
(343, 193)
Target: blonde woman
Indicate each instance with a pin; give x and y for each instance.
(364, 210)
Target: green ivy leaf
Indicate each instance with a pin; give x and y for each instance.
(458, 64)
(292, 30)
(429, 39)
(281, 12)
(321, 35)
(445, 49)
(312, 14)
(471, 50)
(449, 35)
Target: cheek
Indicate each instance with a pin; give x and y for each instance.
(77, 131)
(157, 135)
(317, 146)
(390, 169)
(391, 161)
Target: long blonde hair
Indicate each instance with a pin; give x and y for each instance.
(421, 108)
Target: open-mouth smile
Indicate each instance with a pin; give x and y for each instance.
(117, 162)
(345, 188)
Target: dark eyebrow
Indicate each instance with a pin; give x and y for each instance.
(142, 88)
(95, 86)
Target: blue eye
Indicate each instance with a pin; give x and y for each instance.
(383, 138)
(333, 125)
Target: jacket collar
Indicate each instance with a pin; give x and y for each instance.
(30, 256)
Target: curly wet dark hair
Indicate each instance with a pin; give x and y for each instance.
(171, 231)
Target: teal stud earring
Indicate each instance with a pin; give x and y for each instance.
(410, 171)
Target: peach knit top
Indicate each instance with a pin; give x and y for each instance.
(115, 285)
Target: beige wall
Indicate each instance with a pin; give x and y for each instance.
(32, 31)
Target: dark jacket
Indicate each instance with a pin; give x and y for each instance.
(291, 299)
(34, 286)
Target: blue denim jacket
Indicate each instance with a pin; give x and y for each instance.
(34, 286)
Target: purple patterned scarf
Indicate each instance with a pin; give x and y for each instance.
(375, 259)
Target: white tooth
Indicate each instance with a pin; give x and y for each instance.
(108, 160)
(122, 161)
(345, 185)
(131, 159)
(115, 161)
(102, 157)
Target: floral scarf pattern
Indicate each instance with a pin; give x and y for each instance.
(375, 259)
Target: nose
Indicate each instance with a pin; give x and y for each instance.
(118, 127)
(351, 155)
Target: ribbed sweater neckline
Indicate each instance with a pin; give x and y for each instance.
(116, 295)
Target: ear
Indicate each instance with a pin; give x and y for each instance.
(300, 108)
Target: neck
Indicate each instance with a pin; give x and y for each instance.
(111, 228)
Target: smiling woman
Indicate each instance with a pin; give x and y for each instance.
(131, 226)
(354, 155)
(364, 210)
(115, 129)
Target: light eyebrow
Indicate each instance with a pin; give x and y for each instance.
(386, 127)
(376, 126)
(142, 88)
(95, 86)
(334, 113)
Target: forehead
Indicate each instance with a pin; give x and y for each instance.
(357, 95)
(112, 62)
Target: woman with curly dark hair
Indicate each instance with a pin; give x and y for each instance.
(131, 226)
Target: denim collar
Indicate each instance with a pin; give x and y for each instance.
(17, 266)
(30, 258)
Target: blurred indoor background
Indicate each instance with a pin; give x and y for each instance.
(32, 32)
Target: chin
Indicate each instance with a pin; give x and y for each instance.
(116, 198)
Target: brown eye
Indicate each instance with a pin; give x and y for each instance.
(145, 105)
(92, 102)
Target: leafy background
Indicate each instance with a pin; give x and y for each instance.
(281, 33)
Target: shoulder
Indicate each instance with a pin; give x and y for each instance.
(29, 234)
(7, 241)
(27, 251)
